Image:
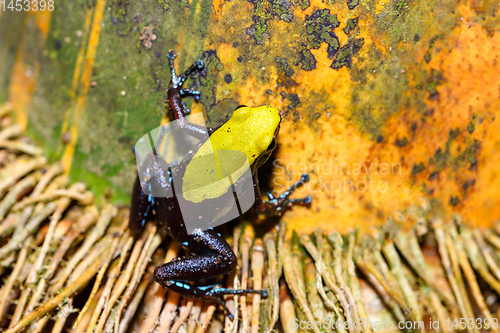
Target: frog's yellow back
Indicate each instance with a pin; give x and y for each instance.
(249, 131)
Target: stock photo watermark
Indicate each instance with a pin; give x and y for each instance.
(340, 177)
(431, 324)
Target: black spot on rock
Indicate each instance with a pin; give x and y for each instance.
(306, 59)
(344, 56)
(319, 29)
(351, 4)
(454, 201)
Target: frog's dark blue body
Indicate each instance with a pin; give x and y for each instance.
(213, 255)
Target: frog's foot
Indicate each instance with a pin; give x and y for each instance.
(178, 81)
(217, 294)
(185, 108)
(211, 293)
(173, 276)
(217, 260)
(277, 206)
(190, 92)
(283, 198)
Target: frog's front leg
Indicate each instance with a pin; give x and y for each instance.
(215, 257)
(277, 206)
(155, 179)
(178, 110)
(141, 207)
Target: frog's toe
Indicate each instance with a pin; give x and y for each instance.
(190, 92)
(171, 55)
(199, 64)
(270, 195)
(307, 200)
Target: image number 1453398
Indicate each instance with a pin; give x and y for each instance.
(26, 5)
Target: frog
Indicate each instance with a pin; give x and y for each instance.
(252, 131)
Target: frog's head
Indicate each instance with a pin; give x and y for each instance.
(252, 131)
(269, 126)
(257, 130)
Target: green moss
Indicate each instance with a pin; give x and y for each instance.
(118, 9)
(346, 52)
(367, 122)
(467, 158)
(101, 185)
(439, 160)
(207, 78)
(351, 25)
(469, 155)
(401, 142)
(285, 73)
(123, 22)
(435, 79)
(379, 90)
(384, 70)
(263, 11)
(417, 168)
(283, 10)
(351, 4)
(428, 54)
(293, 98)
(401, 6)
(454, 200)
(221, 112)
(302, 4)
(472, 124)
(452, 136)
(319, 28)
(284, 67)
(306, 59)
(442, 159)
(164, 5)
(12, 24)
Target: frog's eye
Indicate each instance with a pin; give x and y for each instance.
(240, 106)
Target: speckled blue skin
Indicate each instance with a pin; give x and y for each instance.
(214, 256)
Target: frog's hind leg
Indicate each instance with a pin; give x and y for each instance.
(217, 258)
